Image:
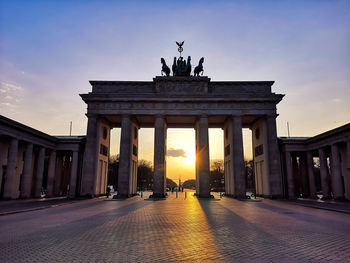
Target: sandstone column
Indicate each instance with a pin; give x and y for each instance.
(290, 177)
(10, 190)
(337, 184)
(27, 174)
(3, 156)
(347, 170)
(348, 154)
(228, 156)
(303, 174)
(73, 175)
(160, 137)
(324, 173)
(202, 157)
(310, 171)
(51, 173)
(238, 158)
(90, 157)
(125, 158)
(39, 172)
(273, 158)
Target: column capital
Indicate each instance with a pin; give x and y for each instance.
(310, 153)
(274, 115)
(162, 116)
(13, 138)
(91, 115)
(322, 150)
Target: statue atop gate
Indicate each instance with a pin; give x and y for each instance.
(180, 66)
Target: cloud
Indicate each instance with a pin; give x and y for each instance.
(9, 96)
(6, 87)
(336, 100)
(177, 153)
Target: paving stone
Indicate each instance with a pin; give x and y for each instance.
(176, 230)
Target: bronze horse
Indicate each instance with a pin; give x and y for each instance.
(165, 68)
(199, 68)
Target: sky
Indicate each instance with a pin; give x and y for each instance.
(49, 50)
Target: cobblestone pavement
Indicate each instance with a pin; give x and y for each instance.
(16, 206)
(176, 230)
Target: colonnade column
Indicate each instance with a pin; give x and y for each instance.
(202, 157)
(51, 173)
(275, 180)
(304, 179)
(39, 172)
(26, 183)
(125, 157)
(238, 158)
(347, 171)
(337, 184)
(310, 171)
(9, 189)
(89, 173)
(290, 177)
(73, 175)
(160, 138)
(348, 155)
(324, 173)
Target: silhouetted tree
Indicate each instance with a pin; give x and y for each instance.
(113, 165)
(217, 176)
(249, 173)
(144, 175)
(189, 184)
(170, 183)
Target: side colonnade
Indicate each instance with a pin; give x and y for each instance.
(318, 166)
(34, 164)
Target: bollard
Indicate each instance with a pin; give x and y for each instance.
(176, 194)
(141, 194)
(185, 195)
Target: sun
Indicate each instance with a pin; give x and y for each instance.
(190, 158)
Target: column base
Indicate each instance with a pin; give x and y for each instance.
(339, 198)
(237, 196)
(122, 196)
(158, 196)
(204, 195)
(272, 196)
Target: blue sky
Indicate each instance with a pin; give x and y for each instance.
(50, 49)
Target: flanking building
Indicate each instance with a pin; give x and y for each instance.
(317, 166)
(33, 163)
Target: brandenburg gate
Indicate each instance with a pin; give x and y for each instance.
(182, 101)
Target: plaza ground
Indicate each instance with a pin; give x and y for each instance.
(178, 229)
